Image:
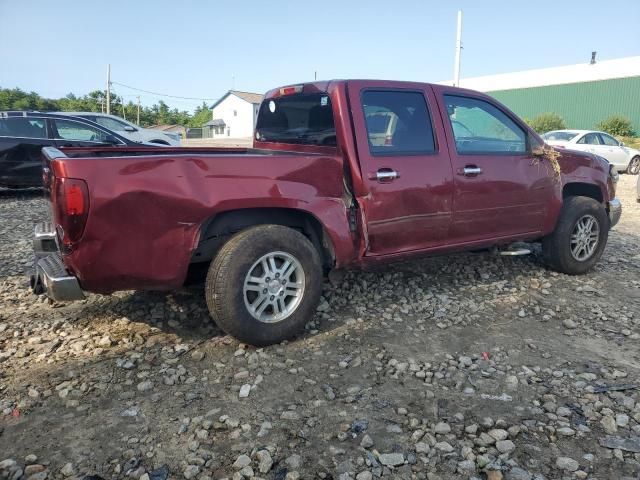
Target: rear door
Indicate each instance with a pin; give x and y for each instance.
(501, 190)
(405, 165)
(21, 140)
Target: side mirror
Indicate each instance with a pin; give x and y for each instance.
(129, 129)
(621, 144)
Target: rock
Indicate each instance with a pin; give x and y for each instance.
(364, 476)
(566, 463)
(505, 446)
(31, 458)
(443, 447)
(391, 459)
(442, 428)
(609, 424)
(294, 461)
(191, 471)
(366, 442)
(494, 475)
(566, 431)
(622, 420)
(161, 473)
(7, 464)
(265, 462)
(570, 324)
(422, 447)
(517, 473)
(241, 462)
(244, 391)
(631, 444)
(498, 434)
(197, 355)
(67, 470)
(145, 386)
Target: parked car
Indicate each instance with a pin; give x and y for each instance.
(266, 222)
(23, 134)
(617, 153)
(129, 130)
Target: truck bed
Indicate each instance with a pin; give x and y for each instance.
(148, 206)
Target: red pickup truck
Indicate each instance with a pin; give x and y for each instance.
(341, 174)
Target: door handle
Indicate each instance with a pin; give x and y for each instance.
(386, 175)
(471, 171)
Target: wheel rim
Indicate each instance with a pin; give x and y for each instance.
(274, 287)
(635, 166)
(585, 238)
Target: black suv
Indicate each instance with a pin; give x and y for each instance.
(23, 134)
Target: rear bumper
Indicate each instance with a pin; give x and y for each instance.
(615, 211)
(50, 276)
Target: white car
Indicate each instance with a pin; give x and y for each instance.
(625, 159)
(128, 129)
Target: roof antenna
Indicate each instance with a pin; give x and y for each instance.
(593, 58)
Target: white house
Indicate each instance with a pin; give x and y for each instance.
(234, 115)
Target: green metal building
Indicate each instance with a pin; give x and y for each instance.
(583, 95)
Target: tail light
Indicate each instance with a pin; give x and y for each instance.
(72, 205)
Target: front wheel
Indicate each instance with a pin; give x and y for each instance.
(581, 234)
(264, 284)
(634, 166)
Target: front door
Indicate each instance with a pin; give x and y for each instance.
(501, 190)
(405, 165)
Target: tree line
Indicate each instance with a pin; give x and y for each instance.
(157, 114)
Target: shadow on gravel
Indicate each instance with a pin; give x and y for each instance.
(21, 192)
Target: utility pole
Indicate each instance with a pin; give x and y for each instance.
(456, 66)
(315, 75)
(233, 82)
(138, 122)
(108, 89)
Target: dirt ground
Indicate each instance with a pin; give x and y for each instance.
(472, 366)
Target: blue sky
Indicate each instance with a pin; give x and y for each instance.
(195, 48)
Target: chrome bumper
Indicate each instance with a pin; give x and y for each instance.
(615, 211)
(51, 276)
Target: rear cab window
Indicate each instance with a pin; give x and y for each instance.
(398, 123)
(298, 119)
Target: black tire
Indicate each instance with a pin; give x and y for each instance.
(556, 247)
(634, 166)
(224, 286)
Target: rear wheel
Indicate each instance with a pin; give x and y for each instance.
(581, 234)
(634, 166)
(264, 284)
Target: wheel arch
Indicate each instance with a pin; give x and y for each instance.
(582, 189)
(216, 230)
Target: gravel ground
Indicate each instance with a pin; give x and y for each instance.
(466, 367)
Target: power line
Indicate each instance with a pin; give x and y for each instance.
(162, 94)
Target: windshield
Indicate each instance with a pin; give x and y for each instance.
(304, 119)
(559, 136)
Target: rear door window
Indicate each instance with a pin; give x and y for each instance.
(299, 118)
(398, 123)
(77, 131)
(23, 127)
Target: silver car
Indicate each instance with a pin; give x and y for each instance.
(624, 158)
